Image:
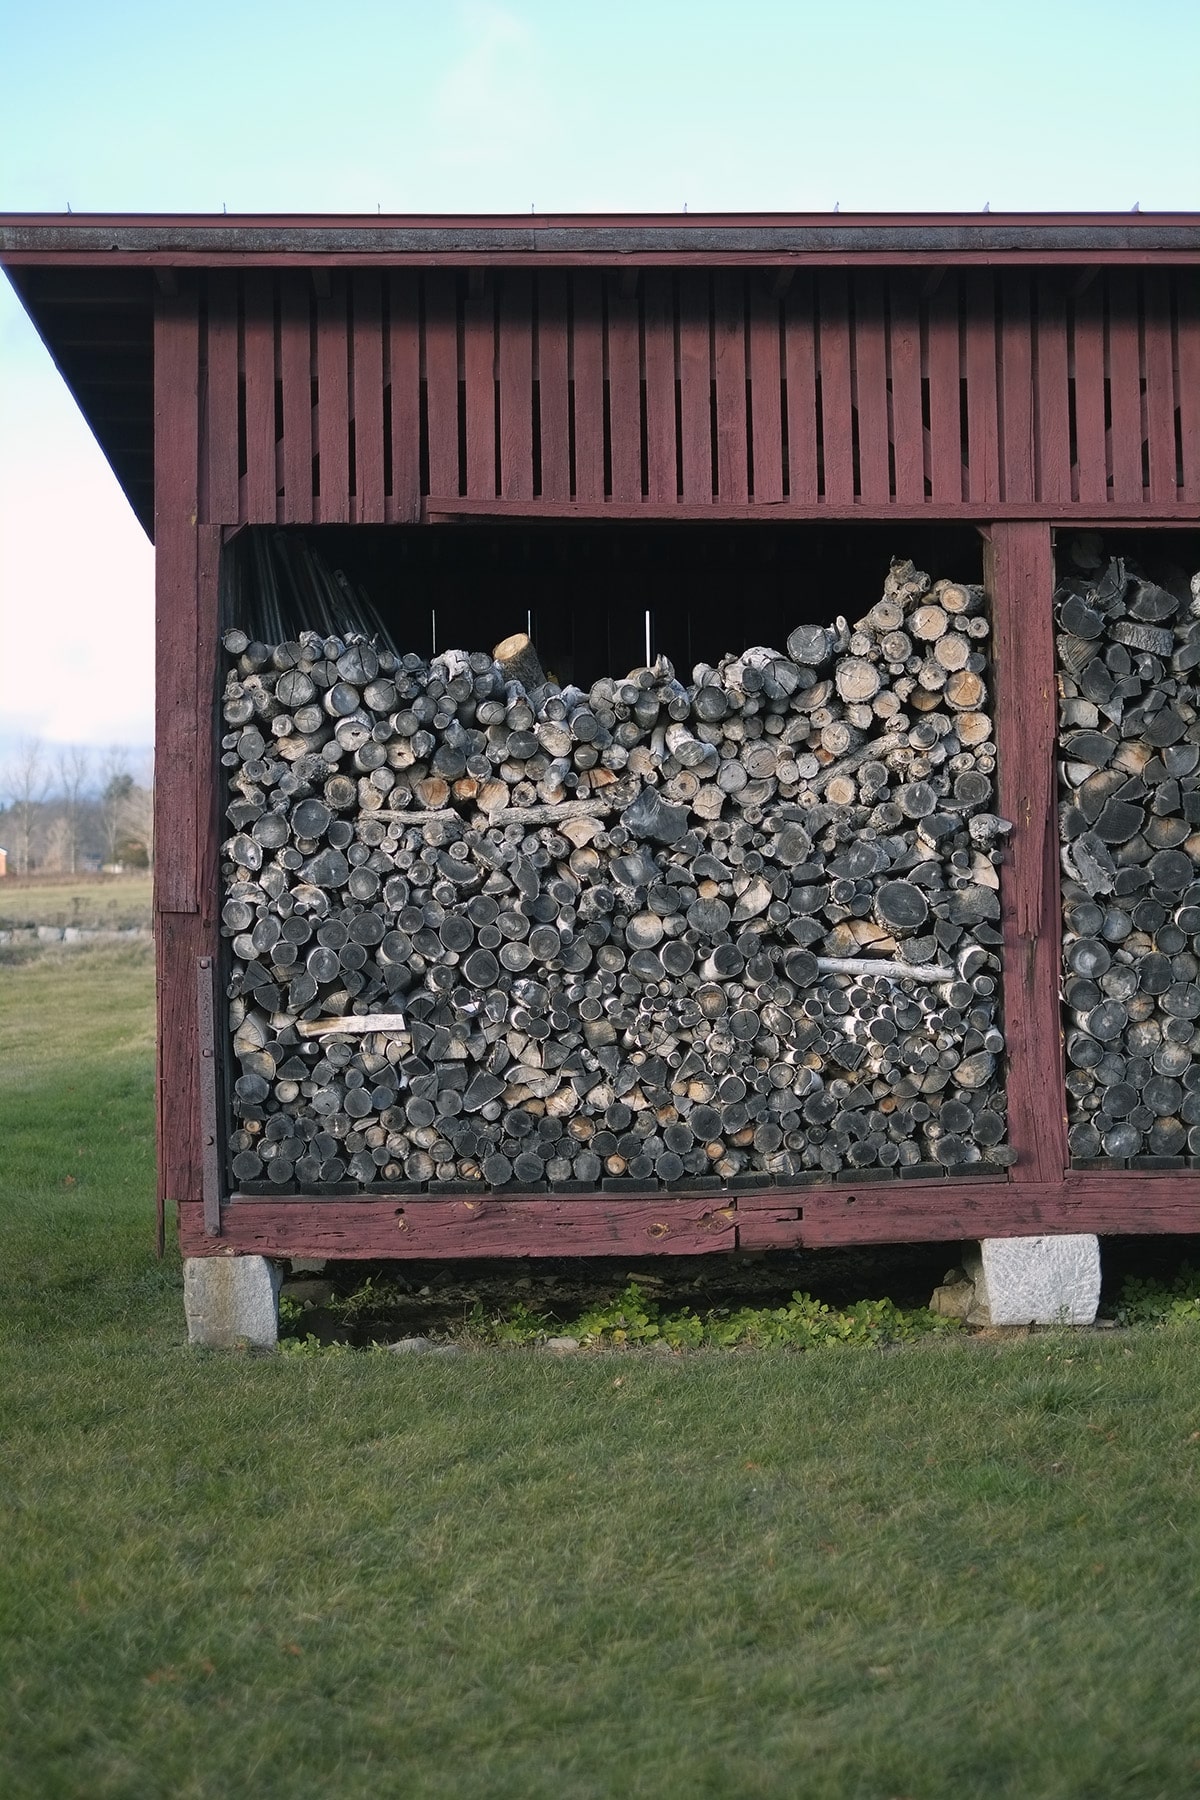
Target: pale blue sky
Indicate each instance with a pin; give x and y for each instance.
(473, 106)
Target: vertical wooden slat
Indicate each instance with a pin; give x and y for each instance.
(516, 386)
(624, 392)
(659, 313)
(1090, 448)
(368, 397)
(1052, 396)
(176, 464)
(1016, 389)
(404, 381)
(766, 392)
(333, 402)
(800, 365)
(441, 382)
(479, 381)
(1159, 400)
(908, 428)
(587, 384)
(1124, 368)
(1187, 327)
(983, 418)
(221, 398)
(837, 419)
(870, 389)
(695, 387)
(945, 396)
(295, 368)
(258, 353)
(729, 368)
(554, 413)
(1019, 571)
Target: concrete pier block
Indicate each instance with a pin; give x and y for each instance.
(231, 1300)
(1034, 1280)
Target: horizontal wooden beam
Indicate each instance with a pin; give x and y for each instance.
(440, 509)
(1127, 1202)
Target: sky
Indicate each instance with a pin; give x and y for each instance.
(469, 106)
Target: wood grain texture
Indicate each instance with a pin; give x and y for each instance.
(1019, 573)
(258, 356)
(1052, 469)
(440, 373)
(1090, 486)
(662, 481)
(1124, 370)
(515, 362)
(904, 356)
(403, 376)
(983, 400)
(479, 376)
(1016, 395)
(553, 386)
(1160, 397)
(729, 370)
(220, 416)
(587, 385)
(833, 360)
(870, 389)
(766, 392)
(1187, 326)
(945, 400)
(800, 373)
(367, 372)
(624, 391)
(295, 368)
(695, 389)
(179, 941)
(333, 403)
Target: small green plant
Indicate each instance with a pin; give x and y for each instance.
(1145, 1301)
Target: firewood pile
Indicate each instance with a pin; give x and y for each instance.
(487, 929)
(1129, 772)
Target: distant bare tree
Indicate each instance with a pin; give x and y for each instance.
(26, 783)
(73, 767)
(116, 785)
(137, 821)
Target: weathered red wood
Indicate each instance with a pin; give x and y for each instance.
(1091, 448)
(367, 355)
(176, 503)
(1187, 326)
(553, 389)
(479, 380)
(695, 389)
(908, 429)
(1053, 473)
(662, 482)
(766, 392)
(1124, 369)
(587, 385)
(295, 370)
(624, 391)
(870, 390)
(800, 368)
(983, 407)
(1159, 398)
(464, 1227)
(404, 388)
(1016, 390)
(1019, 570)
(943, 360)
(837, 417)
(220, 420)
(440, 373)
(1079, 518)
(515, 361)
(258, 356)
(333, 403)
(729, 369)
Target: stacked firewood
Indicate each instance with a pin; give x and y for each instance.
(484, 928)
(1129, 771)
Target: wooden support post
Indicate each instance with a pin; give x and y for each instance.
(1019, 575)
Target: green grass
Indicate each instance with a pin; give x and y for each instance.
(110, 902)
(962, 1568)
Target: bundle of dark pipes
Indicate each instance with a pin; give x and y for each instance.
(1129, 771)
(487, 929)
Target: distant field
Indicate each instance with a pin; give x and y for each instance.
(110, 902)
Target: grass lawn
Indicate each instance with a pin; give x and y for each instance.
(965, 1568)
(110, 902)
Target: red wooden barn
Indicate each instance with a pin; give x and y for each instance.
(599, 418)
